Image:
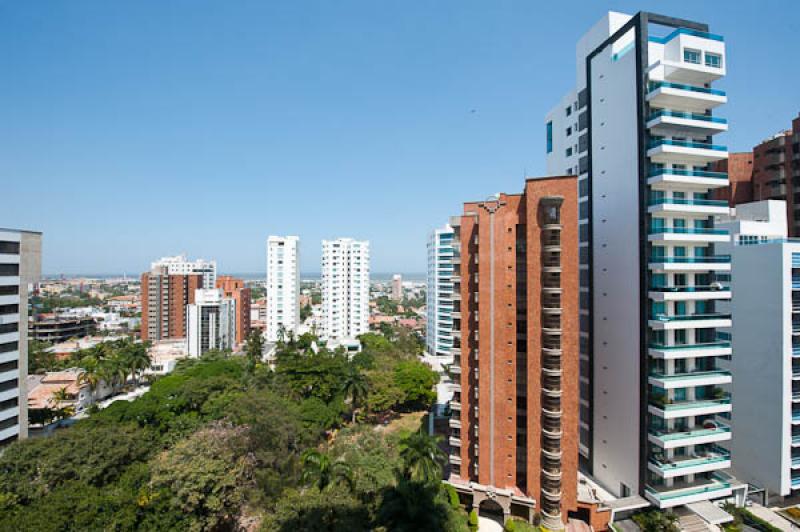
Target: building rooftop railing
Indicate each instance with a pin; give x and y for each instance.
(687, 31)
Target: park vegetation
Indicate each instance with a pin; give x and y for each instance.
(225, 443)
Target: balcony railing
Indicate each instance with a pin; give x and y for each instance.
(687, 173)
(653, 85)
(692, 317)
(700, 374)
(697, 403)
(681, 201)
(686, 31)
(697, 432)
(716, 455)
(685, 144)
(705, 345)
(716, 259)
(688, 230)
(695, 288)
(690, 116)
(718, 483)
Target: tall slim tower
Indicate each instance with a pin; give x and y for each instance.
(283, 286)
(638, 130)
(345, 288)
(439, 294)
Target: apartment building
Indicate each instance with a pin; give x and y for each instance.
(513, 439)
(164, 300)
(180, 265)
(439, 295)
(397, 287)
(283, 286)
(210, 322)
(20, 270)
(235, 289)
(345, 289)
(638, 130)
(739, 167)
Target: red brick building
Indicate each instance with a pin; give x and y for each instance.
(164, 300)
(739, 167)
(514, 430)
(235, 289)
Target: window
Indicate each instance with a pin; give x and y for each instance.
(568, 110)
(569, 131)
(713, 60)
(549, 137)
(568, 152)
(691, 56)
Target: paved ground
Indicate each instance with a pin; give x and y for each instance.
(772, 518)
(486, 524)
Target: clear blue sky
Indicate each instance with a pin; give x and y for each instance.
(132, 130)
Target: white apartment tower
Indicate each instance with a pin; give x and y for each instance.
(638, 131)
(210, 322)
(20, 269)
(283, 286)
(345, 288)
(180, 265)
(439, 295)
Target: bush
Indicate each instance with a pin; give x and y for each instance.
(656, 521)
(510, 526)
(473, 520)
(452, 494)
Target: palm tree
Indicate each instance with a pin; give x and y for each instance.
(355, 387)
(422, 458)
(138, 361)
(320, 470)
(59, 396)
(90, 373)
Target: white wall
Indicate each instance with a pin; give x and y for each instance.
(283, 285)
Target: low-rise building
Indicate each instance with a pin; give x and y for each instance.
(45, 391)
(58, 328)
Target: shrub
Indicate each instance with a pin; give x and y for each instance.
(452, 494)
(473, 520)
(510, 526)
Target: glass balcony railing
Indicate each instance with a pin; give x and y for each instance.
(689, 116)
(717, 259)
(692, 317)
(697, 403)
(696, 432)
(796, 482)
(795, 351)
(686, 31)
(716, 455)
(716, 483)
(688, 231)
(685, 144)
(681, 201)
(698, 288)
(653, 85)
(706, 345)
(796, 460)
(687, 173)
(701, 374)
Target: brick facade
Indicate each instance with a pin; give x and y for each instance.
(174, 291)
(235, 289)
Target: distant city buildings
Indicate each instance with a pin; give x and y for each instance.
(236, 290)
(179, 265)
(439, 295)
(210, 322)
(283, 286)
(20, 270)
(345, 289)
(53, 327)
(397, 287)
(164, 300)
(514, 430)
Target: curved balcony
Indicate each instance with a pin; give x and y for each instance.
(669, 151)
(689, 293)
(681, 493)
(661, 178)
(671, 352)
(690, 206)
(690, 264)
(552, 455)
(665, 122)
(709, 432)
(690, 98)
(712, 460)
(690, 321)
(698, 407)
(687, 234)
(690, 379)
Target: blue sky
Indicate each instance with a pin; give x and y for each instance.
(132, 130)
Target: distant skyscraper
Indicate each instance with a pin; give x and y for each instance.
(397, 287)
(210, 322)
(514, 430)
(283, 285)
(235, 289)
(164, 300)
(439, 294)
(20, 269)
(179, 265)
(345, 288)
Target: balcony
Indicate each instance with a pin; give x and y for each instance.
(681, 493)
(715, 459)
(689, 264)
(669, 151)
(689, 293)
(698, 407)
(455, 442)
(455, 406)
(711, 432)
(454, 423)
(691, 206)
(689, 379)
(690, 98)
(687, 234)
(661, 178)
(665, 122)
(664, 322)
(707, 349)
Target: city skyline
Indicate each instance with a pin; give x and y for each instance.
(290, 102)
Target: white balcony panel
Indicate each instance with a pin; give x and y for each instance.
(670, 208)
(692, 182)
(669, 125)
(9, 281)
(682, 72)
(9, 258)
(688, 238)
(679, 471)
(690, 409)
(454, 423)
(685, 100)
(689, 352)
(703, 437)
(689, 381)
(690, 267)
(690, 296)
(669, 153)
(659, 325)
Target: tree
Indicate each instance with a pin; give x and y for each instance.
(40, 359)
(332, 511)
(416, 380)
(422, 458)
(656, 521)
(324, 473)
(355, 387)
(254, 349)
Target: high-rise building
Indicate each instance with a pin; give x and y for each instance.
(739, 167)
(638, 131)
(439, 295)
(345, 288)
(514, 441)
(164, 300)
(210, 322)
(776, 172)
(179, 265)
(20, 270)
(765, 280)
(235, 289)
(283, 286)
(397, 287)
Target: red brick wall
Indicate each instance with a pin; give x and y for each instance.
(235, 288)
(739, 167)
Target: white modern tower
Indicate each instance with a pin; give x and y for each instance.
(345, 288)
(20, 269)
(766, 371)
(180, 265)
(439, 295)
(638, 131)
(283, 286)
(210, 322)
